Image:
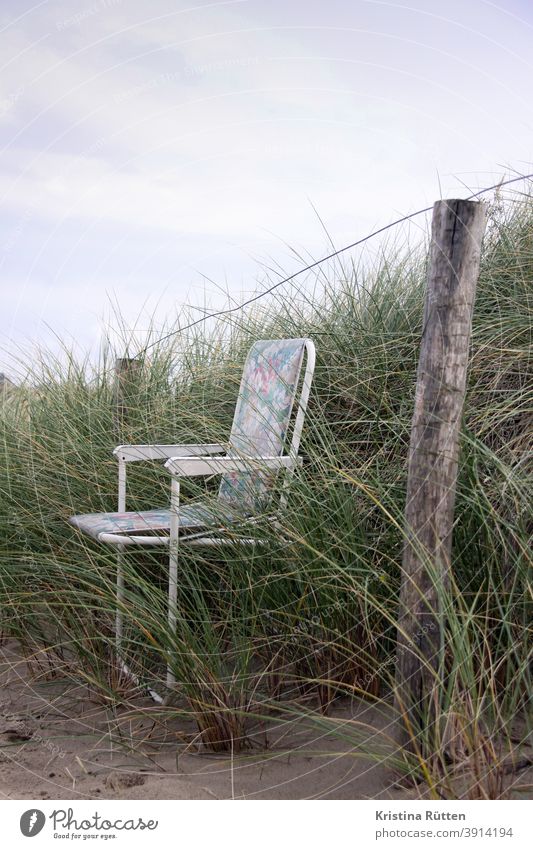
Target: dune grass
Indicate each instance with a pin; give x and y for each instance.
(289, 627)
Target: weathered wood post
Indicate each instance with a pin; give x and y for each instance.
(126, 370)
(457, 230)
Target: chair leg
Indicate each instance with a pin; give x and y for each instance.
(119, 621)
(173, 567)
(119, 624)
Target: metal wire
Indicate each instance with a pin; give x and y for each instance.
(317, 262)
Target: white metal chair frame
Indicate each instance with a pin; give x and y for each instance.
(192, 461)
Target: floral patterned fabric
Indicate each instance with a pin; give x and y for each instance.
(262, 417)
(260, 424)
(190, 515)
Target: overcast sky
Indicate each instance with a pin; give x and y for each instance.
(149, 144)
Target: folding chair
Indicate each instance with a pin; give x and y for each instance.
(258, 449)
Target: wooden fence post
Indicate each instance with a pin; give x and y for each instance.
(125, 371)
(457, 230)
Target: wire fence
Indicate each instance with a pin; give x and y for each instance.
(229, 311)
(258, 296)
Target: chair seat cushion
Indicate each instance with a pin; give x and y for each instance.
(191, 516)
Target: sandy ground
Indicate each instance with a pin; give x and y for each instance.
(58, 743)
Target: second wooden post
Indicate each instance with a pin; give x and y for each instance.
(126, 372)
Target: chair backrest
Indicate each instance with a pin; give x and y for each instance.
(267, 393)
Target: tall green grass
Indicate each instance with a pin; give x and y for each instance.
(291, 626)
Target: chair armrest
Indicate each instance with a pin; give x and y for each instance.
(196, 466)
(135, 453)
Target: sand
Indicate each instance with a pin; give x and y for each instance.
(58, 742)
